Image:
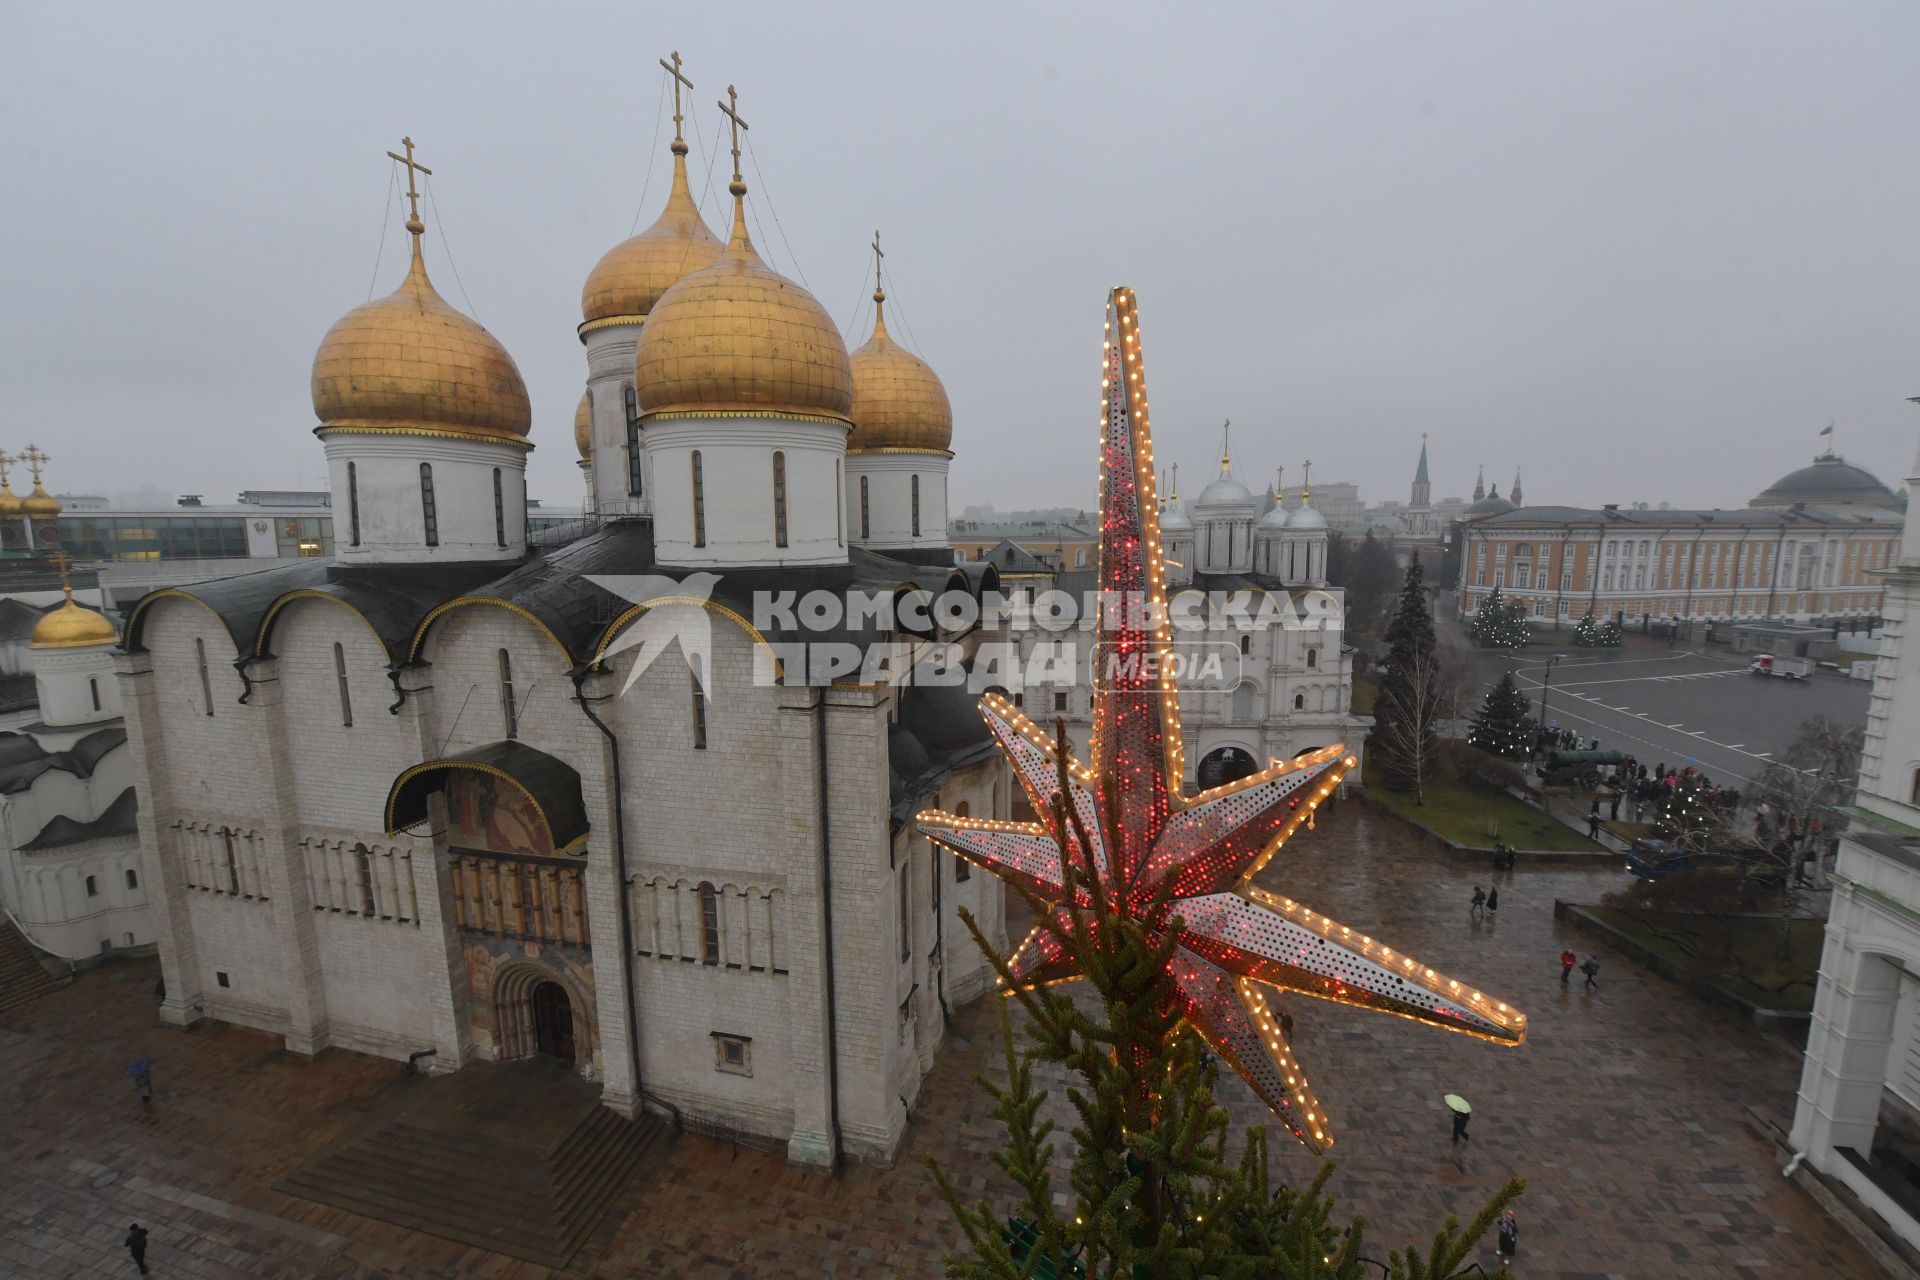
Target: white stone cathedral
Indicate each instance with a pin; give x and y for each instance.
(424, 797)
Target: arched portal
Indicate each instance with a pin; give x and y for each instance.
(1223, 765)
(552, 1020)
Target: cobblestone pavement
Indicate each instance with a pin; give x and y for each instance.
(1623, 1111)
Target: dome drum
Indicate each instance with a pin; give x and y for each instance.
(385, 485)
(718, 484)
(897, 497)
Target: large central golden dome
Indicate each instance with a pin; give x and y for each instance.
(740, 338)
(625, 284)
(898, 400)
(409, 363)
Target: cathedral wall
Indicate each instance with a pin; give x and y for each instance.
(609, 374)
(377, 966)
(392, 503)
(51, 898)
(71, 681)
(469, 703)
(210, 758)
(342, 770)
(889, 511)
(236, 936)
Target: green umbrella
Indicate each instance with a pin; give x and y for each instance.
(1457, 1103)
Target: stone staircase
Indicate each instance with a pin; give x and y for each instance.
(509, 1181)
(22, 976)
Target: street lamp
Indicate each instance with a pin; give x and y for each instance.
(1545, 681)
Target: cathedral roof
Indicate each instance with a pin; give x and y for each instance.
(627, 282)
(898, 400)
(939, 730)
(1175, 518)
(1304, 519)
(410, 364)
(738, 339)
(118, 819)
(551, 783)
(22, 758)
(1225, 491)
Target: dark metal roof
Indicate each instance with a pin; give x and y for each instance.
(940, 730)
(22, 758)
(118, 819)
(552, 784)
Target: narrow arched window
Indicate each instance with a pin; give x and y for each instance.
(1246, 644)
(1299, 702)
(1313, 658)
(709, 924)
(509, 709)
(340, 678)
(499, 510)
(906, 911)
(233, 860)
(363, 871)
(633, 443)
(699, 504)
(839, 503)
(916, 505)
(865, 525)
(699, 714)
(779, 498)
(353, 504)
(206, 677)
(429, 511)
(93, 688)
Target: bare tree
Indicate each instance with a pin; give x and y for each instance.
(1804, 793)
(1430, 687)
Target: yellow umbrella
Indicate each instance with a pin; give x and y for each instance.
(1457, 1103)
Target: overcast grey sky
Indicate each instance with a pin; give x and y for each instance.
(1641, 250)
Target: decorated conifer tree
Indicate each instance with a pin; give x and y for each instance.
(1502, 726)
(1587, 630)
(1690, 816)
(1609, 633)
(1499, 623)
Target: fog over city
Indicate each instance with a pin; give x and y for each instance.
(1637, 251)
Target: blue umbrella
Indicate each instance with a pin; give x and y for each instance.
(140, 1066)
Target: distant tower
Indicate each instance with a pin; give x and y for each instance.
(1480, 485)
(1421, 496)
(1513, 494)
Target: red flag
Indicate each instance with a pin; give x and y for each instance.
(1827, 430)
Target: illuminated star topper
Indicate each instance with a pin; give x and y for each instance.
(1164, 854)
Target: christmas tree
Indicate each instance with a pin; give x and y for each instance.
(1403, 750)
(1597, 632)
(1610, 633)
(1499, 623)
(1501, 726)
(1690, 816)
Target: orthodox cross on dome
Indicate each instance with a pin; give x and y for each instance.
(732, 109)
(413, 187)
(6, 465)
(1127, 836)
(1306, 482)
(879, 289)
(63, 562)
(1226, 454)
(679, 80)
(1280, 485)
(35, 460)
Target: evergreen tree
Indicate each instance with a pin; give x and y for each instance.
(1152, 1188)
(1403, 750)
(1609, 633)
(1502, 726)
(1587, 630)
(1690, 816)
(1494, 622)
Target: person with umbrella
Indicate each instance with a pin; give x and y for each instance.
(140, 1071)
(1462, 1112)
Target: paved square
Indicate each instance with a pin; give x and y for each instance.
(1623, 1111)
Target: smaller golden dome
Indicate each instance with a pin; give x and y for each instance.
(409, 362)
(898, 401)
(72, 627)
(740, 338)
(40, 505)
(10, 503)
(583, 426)
(626, 283)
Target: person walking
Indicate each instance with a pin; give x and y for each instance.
(137, 1245)
(1509, 1238)
(1286, 1026)
(1567, 961)
(1592, 969)
(141, 1072)
(1593, 821)
(1460, 1119)
(1479, 902)
(1493, 901)
(1613, 806)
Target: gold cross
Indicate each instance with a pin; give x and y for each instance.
(879, 288)
(6, 464)
(413, 194)
(732, 108)
(34, 460)
(1226, 454)
(673, 69)
(62, 561)
(1306, 480)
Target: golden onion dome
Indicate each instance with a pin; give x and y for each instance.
(739, 338)
(583, 426)
(40, 504)
(10, 503)
(72, 627)
(898, 400)
(627, 282)
(410, 364)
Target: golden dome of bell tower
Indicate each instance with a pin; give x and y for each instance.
(898, 400)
